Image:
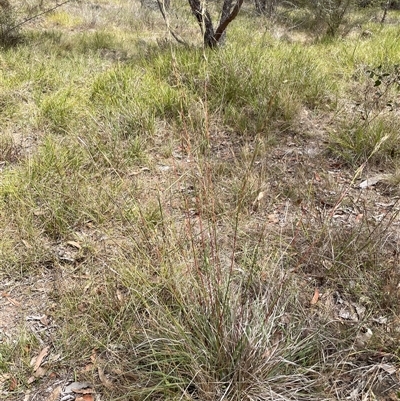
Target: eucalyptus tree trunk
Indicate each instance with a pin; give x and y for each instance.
(213, 36)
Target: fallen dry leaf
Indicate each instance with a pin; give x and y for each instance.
(75, 386)
(39, 212)
(88, 368)
(82, 307)
(359, 217)
(40, 372)
(54, 396)
(4, 380)
(380, 320)
(83, 390)
(27, 244)
(85, 397)
(13, 384)
(107, 383)
(315, 298)
(363, 337)
(260, 196)
(120, 296)
(93, 356)
(273, 218)
(74, 244)
(9, 299)
(266, 354)
(54, 357)
(137, 172)
(43, 353)
(257, 201)
(369, 182)
(388, 368)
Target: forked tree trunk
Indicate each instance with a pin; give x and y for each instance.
(204, 19)
(212, 37)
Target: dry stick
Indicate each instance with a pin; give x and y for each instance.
(37, 15)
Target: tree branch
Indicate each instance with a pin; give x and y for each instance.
(37, 15)
(203, 17)
(227, 20)
(161, 6)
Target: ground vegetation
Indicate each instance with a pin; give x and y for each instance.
(187, 223)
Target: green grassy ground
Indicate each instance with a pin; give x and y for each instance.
(193, 219)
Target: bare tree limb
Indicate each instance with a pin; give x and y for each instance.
(385, 11)
(161, 6)
(23, 22)
(224, 24)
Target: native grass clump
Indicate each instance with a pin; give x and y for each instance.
(196, 223)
